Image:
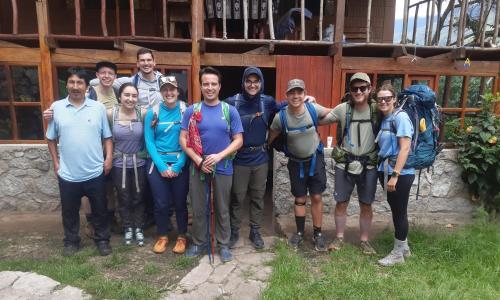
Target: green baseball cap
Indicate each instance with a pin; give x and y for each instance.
(295, 84)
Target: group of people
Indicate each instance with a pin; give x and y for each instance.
(136, 132)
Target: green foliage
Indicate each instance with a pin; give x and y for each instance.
(479, 153)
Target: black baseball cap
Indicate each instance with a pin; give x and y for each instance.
(106, 64)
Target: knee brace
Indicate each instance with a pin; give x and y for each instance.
(299, 202)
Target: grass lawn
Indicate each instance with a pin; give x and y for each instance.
(459, 263)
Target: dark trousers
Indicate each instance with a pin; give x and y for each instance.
(398, 201)
(71, 195)
(167, 193)
(130, 202)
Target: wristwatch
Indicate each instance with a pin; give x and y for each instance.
(395, 173)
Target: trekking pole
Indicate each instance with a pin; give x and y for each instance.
(212, 217)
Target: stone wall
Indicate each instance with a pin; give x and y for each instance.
(443, 195)
(27, 180)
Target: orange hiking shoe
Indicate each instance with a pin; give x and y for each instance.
(180, 245)
(160, 245)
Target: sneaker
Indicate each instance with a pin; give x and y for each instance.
(70, 249)
(104, 248)
(395, 257)
(256, 238)
(367, 248)
(194, 250)
(235, 236)
(296, 239)
(319, 242)
(128, 236)
(225, 254)
(160, 245)
(180, 245)
(406, 252)
(337, 244)
(139, 237)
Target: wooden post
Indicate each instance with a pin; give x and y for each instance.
(450, 28)
(497, 20)
(78, 21)
(245, 19)
(46, 68)
(196, 34)
(438, 24)
(164, 18)
(302, 20)
(369, 19)
(414, 35)
(461, 23)
(132, 18)
(15, 17)
(427, 23)
(270, 18)
(117, 17)
(320, 20)
(337, 59)
(431, 22)
(481, 16)
(465, 22)
(103, 18)
(405, 22)
(224, 25)
(484, 21)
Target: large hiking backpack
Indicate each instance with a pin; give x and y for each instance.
(419, 102)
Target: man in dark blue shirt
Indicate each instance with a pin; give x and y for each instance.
(251, 162)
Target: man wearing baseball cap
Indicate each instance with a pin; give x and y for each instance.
(296, 123)
(356, 158)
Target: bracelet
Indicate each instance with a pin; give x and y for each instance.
(201, 163)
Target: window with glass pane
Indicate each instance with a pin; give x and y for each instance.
(5, 123)
(395, 80)
(25, 81)
(29, 123)
(478, 86)
(4, 87)
(182, 82)
(450, 91)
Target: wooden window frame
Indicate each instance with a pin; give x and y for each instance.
(12, 103)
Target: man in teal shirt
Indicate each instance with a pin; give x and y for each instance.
(76, 136)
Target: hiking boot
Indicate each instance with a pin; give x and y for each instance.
(296, 239)
(70, 250)
(367, 248)
(256, 238)
(104, 248)
(180, 245)
(319, 242)
(139, 237)
(233, 239)
(225, 254)
(194, 250)
(160, 245)
(128, 236)
(395, 257)
(407, 252)
(337, 244)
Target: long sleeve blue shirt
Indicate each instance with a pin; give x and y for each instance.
(162, 141)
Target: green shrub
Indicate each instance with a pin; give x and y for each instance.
(479, 153)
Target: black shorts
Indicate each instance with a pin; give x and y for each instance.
(315, 184)
(366, 184)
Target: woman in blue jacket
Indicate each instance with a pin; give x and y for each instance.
(167, 169)
(394, 140)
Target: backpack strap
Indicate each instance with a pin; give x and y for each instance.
(135, 81)
(226, 114)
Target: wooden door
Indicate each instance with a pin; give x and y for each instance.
(316, 71)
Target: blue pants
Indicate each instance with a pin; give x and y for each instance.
(169, 192)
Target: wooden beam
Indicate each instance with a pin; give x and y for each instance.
(497, 20)
(245, 19)
(405, 22)
(438, 23)
(333, 49)
(415, 23)
(431, 22)
(320, 25)
(399, 50)
(46, 68)
(103, 18)
(243, 60)
(450, 24)
(461, 24)
(458, 53)
(18, 54)
(15, 17)
(465, 22)
(369, 19)
(132, 18)
(426, 37)
(78, 20)
(224, 21)
(302, 20)
(337, 58)
(164, 18)
(117, 17)
(197, 17)
(270, 20)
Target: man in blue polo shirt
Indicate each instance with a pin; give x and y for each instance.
(76, 136)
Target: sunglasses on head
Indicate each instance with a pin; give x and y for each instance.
(385, 99)
(362, 89)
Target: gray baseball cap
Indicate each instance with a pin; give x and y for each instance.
(295, 84)
(360, 76)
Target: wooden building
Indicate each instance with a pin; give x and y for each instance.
(39, 39)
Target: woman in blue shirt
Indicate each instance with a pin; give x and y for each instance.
(167, 169)
(394, 139)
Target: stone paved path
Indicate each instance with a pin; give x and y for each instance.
(32, 286)
(243, 278)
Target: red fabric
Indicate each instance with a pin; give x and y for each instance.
(194, 138)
